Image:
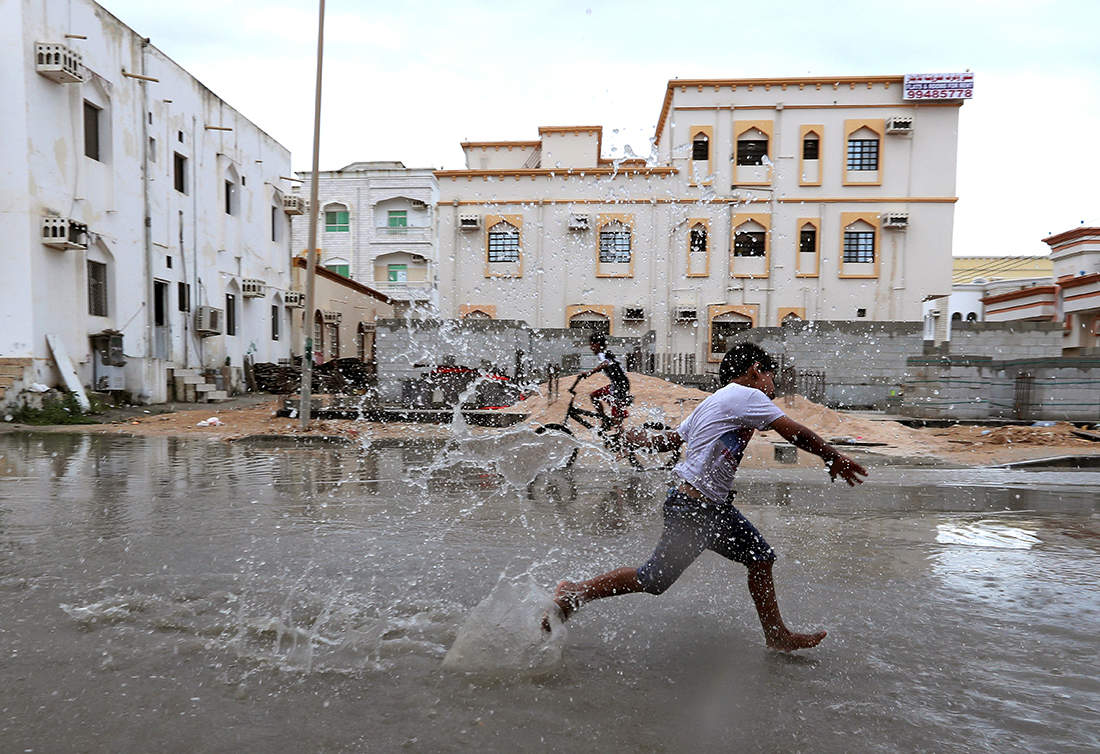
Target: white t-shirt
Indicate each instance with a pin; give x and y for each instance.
(715, 435)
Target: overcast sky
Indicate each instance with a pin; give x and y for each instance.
(409, 81)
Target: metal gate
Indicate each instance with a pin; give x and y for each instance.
(1022, 403)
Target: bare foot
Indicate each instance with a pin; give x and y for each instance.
(788, 641)
(567, 599)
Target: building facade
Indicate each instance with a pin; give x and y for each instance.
(376, 225)
(769, 199)
(138, 210)
(1070, 295)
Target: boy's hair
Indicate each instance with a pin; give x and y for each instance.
(740, 359)
(598, 339)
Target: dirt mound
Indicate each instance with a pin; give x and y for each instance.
(654, 399)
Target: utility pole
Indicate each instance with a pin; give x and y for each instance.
(304, 407)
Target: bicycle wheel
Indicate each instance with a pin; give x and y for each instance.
(564, 430)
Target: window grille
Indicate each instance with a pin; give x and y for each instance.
(863, 154)
(859, 246)
(811, 149)
(751, 151)
(748, 244)
(615, 245)
(504, 243)
(698, 242)
(700, 148)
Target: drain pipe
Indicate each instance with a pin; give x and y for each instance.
(147, 224)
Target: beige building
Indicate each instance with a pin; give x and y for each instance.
(812, 198)
(344, 315)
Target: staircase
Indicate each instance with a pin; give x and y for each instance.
(189, 386)
(12, 370)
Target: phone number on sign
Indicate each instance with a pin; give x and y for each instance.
(940, 94)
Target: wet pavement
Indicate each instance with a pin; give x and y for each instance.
(182, 595)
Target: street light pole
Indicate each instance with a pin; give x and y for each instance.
(304, 407)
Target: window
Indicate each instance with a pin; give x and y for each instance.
(336, 221)
(700, 148)
(859, 246)
(811, 148)
(230, 198)
(183, 296)
(861, 313)
(751, 151)
(152, 149)
(168, 262)
(504, 243)
(698, 239)
(274, 322)
(720, 332)
(333, 340)
(397, 273)
(749, 243)
(230, 314)
(179, 136)
(160, 303)
(863, 154)
(972, 317)
(318, 336)
(615, 244)
(91, 130)
(97, 289)
(956, 316)
(807, 241)
(397, 218)
(274, 223)
(339, 269)
(179, 172)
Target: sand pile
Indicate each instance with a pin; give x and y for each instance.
(654, 399)
(1059, 434)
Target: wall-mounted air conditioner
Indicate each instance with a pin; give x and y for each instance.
(293, 204)
(294, 299)
(252, 288)
(895, 220)
(578, 222)
(685, 314)
(58, 62)
(208, 321)
(901, 124)
(469, 222)
(331, 318)
(633, 314)
(64, 233)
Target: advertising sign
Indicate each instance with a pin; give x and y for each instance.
(938, 86)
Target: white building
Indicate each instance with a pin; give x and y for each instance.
(132, 201)
(813, 198)
(376, 225)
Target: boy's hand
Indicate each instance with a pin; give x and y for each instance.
(844, 467)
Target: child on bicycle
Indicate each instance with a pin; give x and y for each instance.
(698, 514)
(616, 395)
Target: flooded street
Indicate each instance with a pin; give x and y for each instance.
(181, 595)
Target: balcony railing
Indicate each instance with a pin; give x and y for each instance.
(405, 291)
(404, 234)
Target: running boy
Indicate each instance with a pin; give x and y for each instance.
(617, 394)
(697, 513)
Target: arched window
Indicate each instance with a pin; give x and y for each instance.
(859, 243)
(503, 242)
(615, 243)
(339, 265)
(752, 147)
(591, 321)
(972, 317)
(750, 240)
(337, 218)
(700, 147)
(698, 239)
(863, 149)
(956, 317)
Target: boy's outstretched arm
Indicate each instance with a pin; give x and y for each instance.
(803, 437)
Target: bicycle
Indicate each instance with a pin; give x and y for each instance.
(611, 431)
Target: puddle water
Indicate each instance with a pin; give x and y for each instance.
(186, 595)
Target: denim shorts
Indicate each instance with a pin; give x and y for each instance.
(692, 526)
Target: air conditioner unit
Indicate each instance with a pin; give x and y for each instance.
(64, 233)
(934, 312)
(208, 321)
(899, 125)
(58, 62)
(294, 299)
(293, 204)
(578, 222)
(895, 220)
(686, 314)
(331, 318)
(417, 204)
(469, 222)
(633, 314)
(252, 288)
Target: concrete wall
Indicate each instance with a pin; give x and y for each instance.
(957, 387)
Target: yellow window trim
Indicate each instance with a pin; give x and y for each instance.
(607, 219)
(801, 223)
(607, 310)
(767, 127)
(878, 125)
(707, 131)
(752, 311)
(515, 220)
(467, 309)
(691, 223)
(846, 220)
(737, 221)
(803, 131)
